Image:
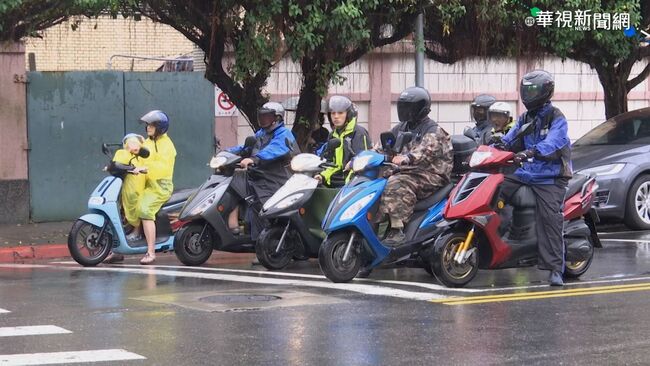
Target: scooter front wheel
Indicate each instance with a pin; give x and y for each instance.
(85, 244)
(193, 244)
(266, 249)
(332, 260)
(443, 264)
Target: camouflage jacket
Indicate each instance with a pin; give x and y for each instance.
(430, 152)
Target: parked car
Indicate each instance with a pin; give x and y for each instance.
(618, 152)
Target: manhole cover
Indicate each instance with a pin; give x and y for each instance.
(238, 298)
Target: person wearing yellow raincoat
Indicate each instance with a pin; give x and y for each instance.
(132, 161)
(158, 180)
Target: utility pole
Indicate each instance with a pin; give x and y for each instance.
(419, 51)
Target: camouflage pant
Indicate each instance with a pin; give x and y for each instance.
(404, 189)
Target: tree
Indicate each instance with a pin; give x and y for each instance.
(23, 18)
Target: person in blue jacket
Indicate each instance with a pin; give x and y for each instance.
(545, 155)
(270, 157)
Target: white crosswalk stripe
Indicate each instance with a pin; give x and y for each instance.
(32, 330)
(3, 311)
(53, 358)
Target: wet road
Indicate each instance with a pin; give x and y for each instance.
(241, 314)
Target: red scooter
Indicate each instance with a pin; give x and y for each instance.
(472, 238)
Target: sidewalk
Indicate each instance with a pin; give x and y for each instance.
(48, 240)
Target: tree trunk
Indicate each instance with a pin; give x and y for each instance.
(308, 104)
(613, 81)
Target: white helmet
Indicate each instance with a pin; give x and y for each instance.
(276, 107)
(499, 109)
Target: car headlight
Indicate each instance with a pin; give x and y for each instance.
(478, 158)
(359, 163)
(609, 169)
(218, 161)
(205, 203)
(96, 200)
(288, 201)
(354, 209)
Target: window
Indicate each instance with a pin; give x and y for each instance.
(634, 130)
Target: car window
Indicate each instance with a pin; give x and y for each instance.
(622, 132)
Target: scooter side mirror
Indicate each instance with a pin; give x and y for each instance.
(105, 150)
(469, 132)
(387, 140)
(250, 142)
(144, 152)
(331, 146)
(403, 139)
(525, 129)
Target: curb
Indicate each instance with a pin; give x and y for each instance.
(46, 251)
(56, 251)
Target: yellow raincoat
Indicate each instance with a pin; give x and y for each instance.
(158, 180)
(132, 186)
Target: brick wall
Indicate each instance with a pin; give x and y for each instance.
(90, 46)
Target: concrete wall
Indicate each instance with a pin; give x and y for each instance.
(14, 187)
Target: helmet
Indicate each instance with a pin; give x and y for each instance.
(536, 89)
(413, 104)
(499, 110)
(132, 138)
(277, 109)
(479, 107)
(339, 103)
(157, 118)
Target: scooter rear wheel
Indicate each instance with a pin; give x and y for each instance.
(266, 246)
(85, 245)
(578, 268)
(193, 244)
(445, 268)
(330, 258)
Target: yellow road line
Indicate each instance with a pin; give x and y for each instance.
(543, 294)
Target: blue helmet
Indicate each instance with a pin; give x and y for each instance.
(159, 119)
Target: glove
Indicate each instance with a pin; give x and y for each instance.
(523, 156)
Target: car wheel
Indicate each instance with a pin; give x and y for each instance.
(637, 206)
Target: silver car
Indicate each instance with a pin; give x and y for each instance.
(618, 152)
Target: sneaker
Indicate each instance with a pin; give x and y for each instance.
(394, 238)
(555, 279)
(134, 237)
(114, 258)
(148, 259)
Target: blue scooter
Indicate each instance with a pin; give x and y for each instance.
(353, 239)
(101, 230)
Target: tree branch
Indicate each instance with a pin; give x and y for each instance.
(630, 84)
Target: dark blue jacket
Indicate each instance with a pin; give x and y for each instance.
(270, 145)
(550, 143)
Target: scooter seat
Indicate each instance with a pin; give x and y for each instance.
(576, 183)
(180, 196)
(434, 198)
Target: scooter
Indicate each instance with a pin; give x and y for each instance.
(471, 240)
(206, 212)
(101, 230)
(353, 235)
(295, 212)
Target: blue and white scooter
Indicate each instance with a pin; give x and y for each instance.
(101, 230)
(353, 239)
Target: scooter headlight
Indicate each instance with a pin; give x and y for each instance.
(354, 209)
(478, 158)
(288, 201)
(96, 200)
(217, 162)
(359, 163)
(205, 203)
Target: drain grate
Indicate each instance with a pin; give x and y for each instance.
(238, 298)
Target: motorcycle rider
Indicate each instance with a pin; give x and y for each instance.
(354, 139)
(425, 162)
(549, 171)
(500, 116)
(478, 110)
(269, 156)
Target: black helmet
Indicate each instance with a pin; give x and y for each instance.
(536, 89)
(479, 107)
(413, 104)
(339, 103)
(159, 119)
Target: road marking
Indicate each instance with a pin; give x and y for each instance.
(628, 240)
(32, 330)
(544, 294)
(52, 358)
(353, 287)
(429, 286)
(3, 311)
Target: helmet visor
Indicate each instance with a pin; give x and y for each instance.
(479, 113)
(530, 92)
(498, 118)
(265, 117)
(405, 111)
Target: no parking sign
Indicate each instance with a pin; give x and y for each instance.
(223, 106)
